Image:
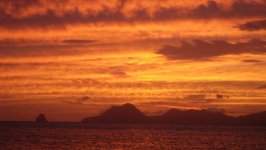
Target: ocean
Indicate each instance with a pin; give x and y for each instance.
(77, 136)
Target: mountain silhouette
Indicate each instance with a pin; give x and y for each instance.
(174, 116)
(128, 113)
(41, 119)
(253, 119)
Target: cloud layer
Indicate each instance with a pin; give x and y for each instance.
(203, 50)
(43, 14)
(253, 25)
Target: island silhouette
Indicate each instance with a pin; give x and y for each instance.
(41, 119)
(129, 114)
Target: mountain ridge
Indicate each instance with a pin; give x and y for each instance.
(129, 114)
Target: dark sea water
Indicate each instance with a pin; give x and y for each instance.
(72, 136)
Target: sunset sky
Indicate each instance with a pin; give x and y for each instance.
(70, 59)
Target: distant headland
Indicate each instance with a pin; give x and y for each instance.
(129, 114)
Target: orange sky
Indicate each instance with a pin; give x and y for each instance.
(74, 58)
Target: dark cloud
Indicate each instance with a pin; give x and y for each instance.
(251, 61)
(50, 17)
(243, 8)
(262, 87)
(187, 101)
(253, 25)
(194, 97)
(88, 82)
(51, 20)
(197, 99)
(80, 101)
(212, 10)
(119, 71)
(72, 102)
(29, 47)
(222, 97)
(200, 50)
(84, 99)
(17, 42)
(119, 74)
(74, 41)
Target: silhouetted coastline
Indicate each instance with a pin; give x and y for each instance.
(129, 114)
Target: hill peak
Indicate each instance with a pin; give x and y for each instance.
(128, 105)
(125, 110)
(126, 113)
